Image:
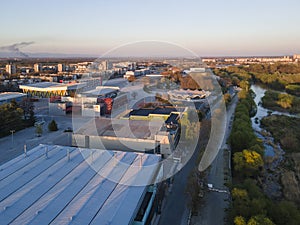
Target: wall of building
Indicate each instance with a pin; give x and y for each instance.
(58, 109)
(113, 143)
(92, 110)
(8, 100)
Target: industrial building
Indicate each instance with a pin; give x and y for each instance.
(145, 136)
(137, 73)
(48, 89)
(188, 95)
(101, 101)
(161, 112)
(67, 185)
(7, 97)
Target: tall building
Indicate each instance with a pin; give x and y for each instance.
(11, 68)
(105, 65)
(37, 67)
(61, 67)
(296, 57)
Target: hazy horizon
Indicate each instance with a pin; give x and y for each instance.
(208, 28)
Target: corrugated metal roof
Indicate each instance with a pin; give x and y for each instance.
(40, 190)
(10, 95)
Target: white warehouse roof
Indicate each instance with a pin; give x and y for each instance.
(51, 86)
(41, 190)
(10, 95)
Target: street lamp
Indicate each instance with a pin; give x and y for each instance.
(12, 136)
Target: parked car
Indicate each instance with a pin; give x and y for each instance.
(39, 122)
(69, 129)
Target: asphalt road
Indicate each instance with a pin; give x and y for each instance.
(175, 210)
(213, 211)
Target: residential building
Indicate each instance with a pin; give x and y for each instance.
(61, 67)
(11, 69)
(37, 67)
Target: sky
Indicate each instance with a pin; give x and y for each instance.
(206, 28)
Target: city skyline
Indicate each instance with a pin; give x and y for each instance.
(218, 28)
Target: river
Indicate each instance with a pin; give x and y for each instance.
(273, 154)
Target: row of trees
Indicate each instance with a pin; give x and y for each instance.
(276, 68)
(185, 82)
(251, 206)
(277, 76)
(52, 126)
(9, 88)
(245, 145)
(249, 203)
(242, 135)
(16, 116)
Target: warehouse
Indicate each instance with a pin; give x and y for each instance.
(62, 185)
(7, 97)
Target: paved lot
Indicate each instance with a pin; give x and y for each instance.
(13, 145)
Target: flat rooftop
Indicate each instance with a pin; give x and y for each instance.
(10, 95)
(185, 94)
(157, 110)
(51, 86)
(41, 190)
(101, 90)
(172, 119)
(109, 127)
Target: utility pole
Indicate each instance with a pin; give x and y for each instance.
(12, 136)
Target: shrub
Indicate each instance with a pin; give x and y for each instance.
(52, 126)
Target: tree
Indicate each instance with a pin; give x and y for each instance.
(190, 128)
(131, 78)
(194, 190)
(52, 126)
(241, 202)
(39, 130)
(239, 220)
(10, 118)
(285, 100)
(247, 162)
(227, 98)
(28, 111)
(284, 213)
(260, 220)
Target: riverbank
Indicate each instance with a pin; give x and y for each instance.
(282, 102)
(286, 132)
(280, 133)
(258, 195)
